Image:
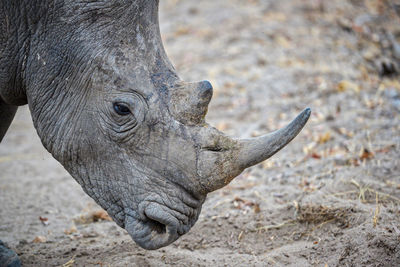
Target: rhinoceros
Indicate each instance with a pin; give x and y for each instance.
(109, 106)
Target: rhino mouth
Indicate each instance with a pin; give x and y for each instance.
(157, 225)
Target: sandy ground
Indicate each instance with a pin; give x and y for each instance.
(331, 198)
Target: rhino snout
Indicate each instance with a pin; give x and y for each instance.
(157, 224)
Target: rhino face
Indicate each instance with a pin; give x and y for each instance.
(130, 131)
(150, 133)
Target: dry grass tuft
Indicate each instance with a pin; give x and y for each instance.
(317, 214)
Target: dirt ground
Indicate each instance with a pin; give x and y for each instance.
(330, 198)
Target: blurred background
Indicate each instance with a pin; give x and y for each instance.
(330, 198)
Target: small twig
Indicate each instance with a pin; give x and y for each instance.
(277, 226)
(386, 195)
(222, 202)
(369, 190)
(16, 157)
(271, 260)
(377, 210)
(69, 263)
(321, 224)
(363, 190)
(259, 196)
(240, 236)
(343, 193)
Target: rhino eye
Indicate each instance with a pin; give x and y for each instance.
(121, 109)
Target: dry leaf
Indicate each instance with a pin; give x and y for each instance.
(93, 216)
(71, 230)
(256, 208)
(348, 85)
(375, 7)
(274, 16)
(314, 155)
(385, 149)
(268, 164)
(283, 41)
(183, 30)
(222, 126)
(323, 138)
(371, 54)
(307, 186)
(39, 239)
(101, 215)
(44, 220)
(345, 132)
(307, 149)
(365, 154)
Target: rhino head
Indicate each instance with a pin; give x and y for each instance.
(109, 106)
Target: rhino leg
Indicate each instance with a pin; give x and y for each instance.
(8, 258)
(7, 113)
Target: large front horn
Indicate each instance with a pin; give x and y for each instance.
(258, 149)
(218, 168)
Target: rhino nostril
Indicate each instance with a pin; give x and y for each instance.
(214, 148)
(157, 226)
(159, 221)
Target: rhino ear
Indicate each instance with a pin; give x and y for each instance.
(189, 102)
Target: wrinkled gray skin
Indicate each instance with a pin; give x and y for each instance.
(78, 65)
